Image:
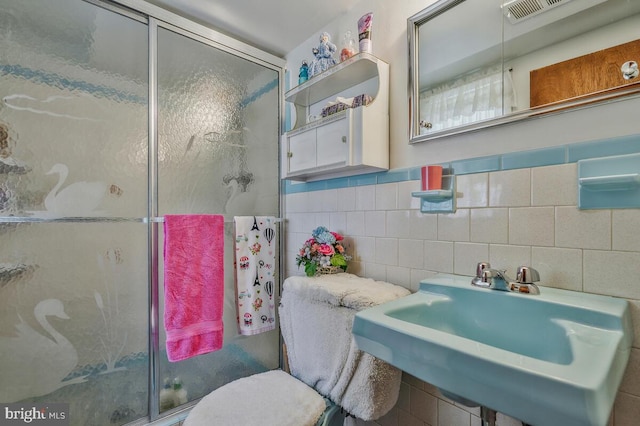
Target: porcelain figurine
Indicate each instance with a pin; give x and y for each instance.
(323, 55)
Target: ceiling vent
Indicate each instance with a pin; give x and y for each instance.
(519, 10)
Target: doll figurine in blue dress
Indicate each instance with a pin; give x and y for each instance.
(323, 55)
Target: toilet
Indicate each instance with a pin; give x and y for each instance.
(329, 377)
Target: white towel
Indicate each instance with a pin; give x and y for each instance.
(255, 267)
(321, 348)
(265, 399)
(348, 290)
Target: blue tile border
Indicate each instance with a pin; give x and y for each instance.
(563, 154)
(604, 148)
(534, 158)
(477, 165)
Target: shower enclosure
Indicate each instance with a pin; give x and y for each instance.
(110, 119)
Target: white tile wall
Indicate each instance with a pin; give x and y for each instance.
(510, 218)
(625, 226)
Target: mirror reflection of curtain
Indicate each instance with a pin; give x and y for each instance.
(474, 97)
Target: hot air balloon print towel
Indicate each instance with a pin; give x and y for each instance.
(255, 267)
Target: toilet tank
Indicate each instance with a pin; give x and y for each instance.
(316, 316)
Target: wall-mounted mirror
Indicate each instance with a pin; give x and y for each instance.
(479, 63)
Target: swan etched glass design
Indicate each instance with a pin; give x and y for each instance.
(51, 356)
(74, 320)
(80, 176)
(77, 198)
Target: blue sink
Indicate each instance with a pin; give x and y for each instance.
(551, 359)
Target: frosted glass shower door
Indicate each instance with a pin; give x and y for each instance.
(218, 154)
(73, 194)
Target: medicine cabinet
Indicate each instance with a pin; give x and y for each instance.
(480, 63)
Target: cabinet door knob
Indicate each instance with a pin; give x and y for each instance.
(289, 154)
(344, 139)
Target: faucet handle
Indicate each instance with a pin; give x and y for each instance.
(527, 275)
(480, 280)
(481, 267)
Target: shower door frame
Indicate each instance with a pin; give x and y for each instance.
(158, 17)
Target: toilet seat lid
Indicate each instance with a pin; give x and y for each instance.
(270, 398)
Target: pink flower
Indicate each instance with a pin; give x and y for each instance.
(338, 236)
(326, 250)
(339, 248)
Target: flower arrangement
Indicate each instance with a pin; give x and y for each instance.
(322, 251)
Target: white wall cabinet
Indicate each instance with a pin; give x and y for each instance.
(351, 142)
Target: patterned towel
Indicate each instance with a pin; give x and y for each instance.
(255, 267)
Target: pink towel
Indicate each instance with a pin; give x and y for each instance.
(193, 284)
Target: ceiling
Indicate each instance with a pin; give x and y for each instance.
(275, 26)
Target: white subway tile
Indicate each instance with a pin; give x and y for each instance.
(347, 198)
(554, 185)
(312, 221)
(399, 275)
(423, 226)
(418, 275)
(329, 200)
(316, 201)
(626, 229)
(626, 410)
(338, 222)
(365, 249)
(558, 267)
(297, 202)
(411, 253)
(356, 268)
(355, 223)
(398, 224)
(405, 418)
(467, 255)
(510, 188)
(294, 222)
(375, 271)
(405, 200)
(387, 251)
(386, 196)
(489, 225)
(472, 190)
(375, 223)
(531, 226)
(451, 415)
(614, 273)
(438, 256)
(588, 229)
(630, 383)
(454, 226)
(509, 257)
(366, 197)
(424, 406)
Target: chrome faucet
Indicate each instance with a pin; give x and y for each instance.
(496, 279)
